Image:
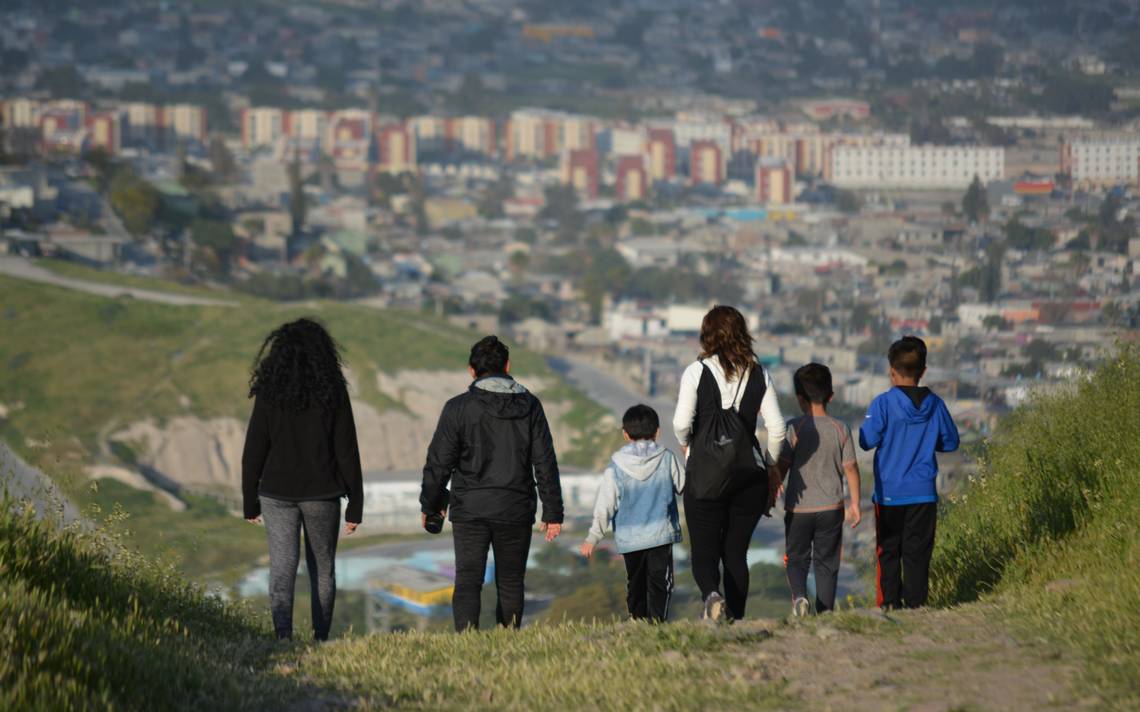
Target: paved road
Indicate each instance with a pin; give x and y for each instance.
(22, 268)
(22, 481)
(614, 395)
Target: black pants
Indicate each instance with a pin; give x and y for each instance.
(904, 536)
(649, 582)
(511, 544)
(814, 540)
(720, 532)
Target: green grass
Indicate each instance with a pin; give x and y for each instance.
(1050, 526)
(86, 625)
(572, 666)
(205, 541)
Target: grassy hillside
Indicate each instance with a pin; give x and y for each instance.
(80, 364)
(1051, 526)
(75, 367)
(85, 625)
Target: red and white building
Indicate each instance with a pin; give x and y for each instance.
(706, 163)
(105, 131)
(349, 136)
(473, 134)
(775, 181)
(539, 134)
(63, 125)
(632, 178)
(580, 170)
(662, 150)
(396, 148)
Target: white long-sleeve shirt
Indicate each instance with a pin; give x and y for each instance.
(770, 413)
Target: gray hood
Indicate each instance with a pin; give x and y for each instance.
(640, 458)
(503, 397)
(499, 384)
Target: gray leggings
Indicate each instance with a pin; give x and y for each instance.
(283, 523)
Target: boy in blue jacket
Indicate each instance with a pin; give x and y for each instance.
(906, 426)
(638, 500)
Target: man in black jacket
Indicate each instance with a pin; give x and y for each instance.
(493, 443)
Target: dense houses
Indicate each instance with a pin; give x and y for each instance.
(786, 160)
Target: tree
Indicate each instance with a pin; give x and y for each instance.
(296, 195)
(135, 201)
(911, 299)
(848, 201)
(217, 238)
(989, 272)
(1021, 237)
(1111, 313)
(975, 203)
(641, 226)
(561, 206)
(995, 322)
(221, 160)
(100, 161)
(490, 202)
(518, 261)
(418, 193)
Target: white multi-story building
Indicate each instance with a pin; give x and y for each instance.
(20, 113)
(186, 121)
(262, 126)
(1101, 160)
(915, 166)
(541, 133)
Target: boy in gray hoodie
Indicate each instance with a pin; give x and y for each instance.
(638, 500)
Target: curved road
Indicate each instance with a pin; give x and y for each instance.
(22, 268)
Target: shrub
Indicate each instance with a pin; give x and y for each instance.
(85, 623)
(1050, 524)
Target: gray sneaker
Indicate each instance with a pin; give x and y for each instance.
(714, 608)
(801, 608)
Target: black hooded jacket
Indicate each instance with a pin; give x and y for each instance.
(493, 444)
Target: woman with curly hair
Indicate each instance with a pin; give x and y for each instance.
(726, 493)
(300, 458)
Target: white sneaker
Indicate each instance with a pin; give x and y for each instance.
(714, 608)
(801, 608)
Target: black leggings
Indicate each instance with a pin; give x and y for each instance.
(719, 533)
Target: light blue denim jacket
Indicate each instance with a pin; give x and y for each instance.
(637, 498)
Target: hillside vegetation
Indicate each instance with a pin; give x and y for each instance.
(1051, 526)
(75, 367)
(76, 363)
(84, 624)
(1046, 535)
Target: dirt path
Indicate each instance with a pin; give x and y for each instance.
(959, 659)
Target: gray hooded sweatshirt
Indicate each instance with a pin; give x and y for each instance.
(637, 498)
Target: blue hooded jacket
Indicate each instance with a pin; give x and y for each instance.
(906, 426)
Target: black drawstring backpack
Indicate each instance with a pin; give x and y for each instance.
(721, 452)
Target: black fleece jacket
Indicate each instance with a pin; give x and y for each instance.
(493, 444)
(302, 455)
